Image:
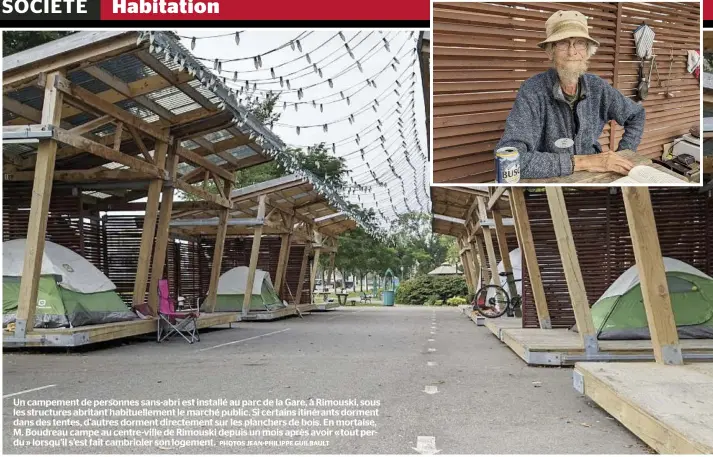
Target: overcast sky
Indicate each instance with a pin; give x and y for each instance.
(332, 58)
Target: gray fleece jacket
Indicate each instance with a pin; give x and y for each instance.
(547, 132)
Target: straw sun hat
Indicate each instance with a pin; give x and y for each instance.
(566, 24)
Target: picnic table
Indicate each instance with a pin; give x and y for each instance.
(342, 299)
(586, 177)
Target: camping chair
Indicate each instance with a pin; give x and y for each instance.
(171, 322)
(365, 298)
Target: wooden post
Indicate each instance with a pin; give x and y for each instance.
(504, 252)
(284, 257)
(331, 268)
(315, 265)
(492, 260)
(654, 286)
(164, 218)
(254, 254)
(466, 267)
(212, 297)
(527, 247)
(481, 257)
(572, 272)
(303, 273)
(37, 225)
(149, 229)
(475, 265)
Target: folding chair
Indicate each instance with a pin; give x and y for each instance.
(171, 322)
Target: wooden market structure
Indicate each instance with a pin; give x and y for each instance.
(574, 243)
(96, 120)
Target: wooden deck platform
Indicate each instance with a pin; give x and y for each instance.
(561, 347)
(670, 408)
(89, 334)
(496, 326)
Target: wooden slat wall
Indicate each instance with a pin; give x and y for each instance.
(67, 224)
(483, 53)
(237, 253)
(601, 236)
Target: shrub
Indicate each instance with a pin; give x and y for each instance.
(455, 301)
(431, 301)
(438, 303)
(419, 290)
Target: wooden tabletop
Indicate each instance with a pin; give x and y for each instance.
(606, 177)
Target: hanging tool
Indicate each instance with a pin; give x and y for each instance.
(668, 80)
(644, 41)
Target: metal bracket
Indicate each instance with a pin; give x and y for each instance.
(578, 381)
(546, 323)
(27, 134)
(671, 354)
(20, 328)
(591, 345)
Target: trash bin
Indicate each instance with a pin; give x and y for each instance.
(388, 297)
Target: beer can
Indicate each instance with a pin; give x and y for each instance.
(507, 162)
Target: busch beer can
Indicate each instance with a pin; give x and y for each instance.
(507, 161)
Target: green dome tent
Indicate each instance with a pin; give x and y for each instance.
(620, 314)
(231, 291)
(72, 292)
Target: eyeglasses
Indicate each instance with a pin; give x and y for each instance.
(579, 45)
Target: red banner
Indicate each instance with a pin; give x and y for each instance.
(272, 10)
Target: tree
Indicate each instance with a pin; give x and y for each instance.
(13, 42)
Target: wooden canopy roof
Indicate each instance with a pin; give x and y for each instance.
(292, 203)
(149, 81)
(453, 206)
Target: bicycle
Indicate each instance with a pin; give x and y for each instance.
(493, 301)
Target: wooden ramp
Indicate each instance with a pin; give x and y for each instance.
(668, 407)
(326, 306)
(290, 310)
(89, 334)
(561, 347)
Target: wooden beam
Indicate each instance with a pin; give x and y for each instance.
(205, 195)
(254, 255)
(124, 89)
(492, 260)
(527, 247)
(286, 241)
(497, 194)
(37, 224)
(162, 230)
(303, 273)
(572, 272)
(315, 262)
(117, 135)
(91, 125)
(148, 232)
(84, 96)
(107, 153)
(140, 144)
(654, 285)
(93, 175)
(218, 261)
(504, 252)
(200, 161)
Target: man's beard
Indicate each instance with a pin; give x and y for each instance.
(570, 72)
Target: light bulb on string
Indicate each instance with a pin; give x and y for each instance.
(237, 38)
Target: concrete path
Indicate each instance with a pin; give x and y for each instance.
(443, 384)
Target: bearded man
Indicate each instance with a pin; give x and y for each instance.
(559, 115)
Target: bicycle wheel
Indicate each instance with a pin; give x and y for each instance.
(516, 305)
(492, 301)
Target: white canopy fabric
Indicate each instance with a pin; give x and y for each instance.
(235, 280)
(77, 273)
(444, 269)
(630, 278)
(516, 262)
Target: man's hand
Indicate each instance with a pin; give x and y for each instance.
(606, 161)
